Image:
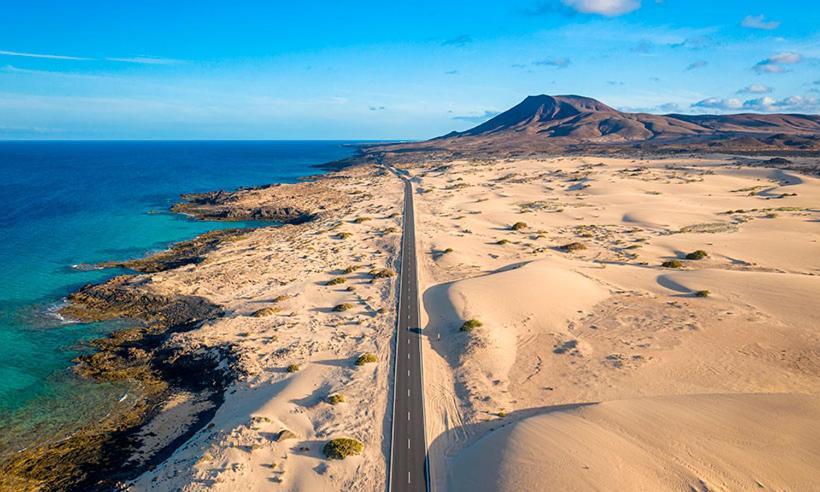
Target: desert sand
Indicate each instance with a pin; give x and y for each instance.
(595, 367)
(274, 284)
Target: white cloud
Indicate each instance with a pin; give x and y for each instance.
(774, 64)
(145, 60)
(755, 89)
(759, 22)
(40, 55)
(477, 118)
(717, 103)
(609, 8)
(765, 104)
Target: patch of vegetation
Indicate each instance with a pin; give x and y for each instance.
(336, 281)
(283, 297)
(366, 358)
(771, 215)
(342, 447)
(702, 293)
(382, 273)
(359, 220)
(293, 368)
(446, 251)
(576, 246)
(502, 242)
(266, 311)
(336, 398)
(518, 226)
(390, 230)
(350, 269)
(697, 255)
(343, 235)
(470, 325)
(502, 414)
(672, 264)
(345, 306)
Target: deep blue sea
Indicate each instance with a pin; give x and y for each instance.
(69, 203)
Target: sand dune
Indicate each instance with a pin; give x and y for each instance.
(697, 442)
(607, 322)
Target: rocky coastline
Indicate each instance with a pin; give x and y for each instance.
(145, 356)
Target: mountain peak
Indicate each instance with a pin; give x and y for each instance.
(540, 109)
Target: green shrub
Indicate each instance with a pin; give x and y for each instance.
(336, 398)
(345, 306)
(697, 255)
(448, 250)
(382, 273)
(518, 226)
(672, 264)
(336, 281)
(350, 269)
(502, 242)
(574, 247)
(266, 311)
(342, 447)
(702, 293)
(470, 325)
(366, 358)
(293, 367)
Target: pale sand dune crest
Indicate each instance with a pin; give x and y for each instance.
(695, 442)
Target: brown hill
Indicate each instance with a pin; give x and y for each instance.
(560, 123)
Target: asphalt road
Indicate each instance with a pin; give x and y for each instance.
(407, 458)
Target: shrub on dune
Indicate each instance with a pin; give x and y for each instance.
(569, 248)
(518, 226)
(702, 293)
(342, 447)
(336, 398)
(336, 281)
(697, 255)
(470, 325)
(672, 264)
(293, 368)
(345, 306)
(366, 358)
(382, 273)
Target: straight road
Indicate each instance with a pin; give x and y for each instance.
(408, 471)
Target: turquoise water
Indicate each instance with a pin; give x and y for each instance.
(69, 203)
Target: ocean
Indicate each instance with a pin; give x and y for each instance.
(65, 204)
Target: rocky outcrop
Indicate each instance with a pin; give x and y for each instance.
(95, 457)
(180, 254)
(223, 205)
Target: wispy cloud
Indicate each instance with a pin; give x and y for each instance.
(697, 64)
(145, 60)
(376, 108)
(459, 40)
(774, 64)
(452, 72)
(759, 22)
(755, 89)
(478, 118)
(42, 55)
(553, 62)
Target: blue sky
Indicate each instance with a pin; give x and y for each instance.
(373, 70)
